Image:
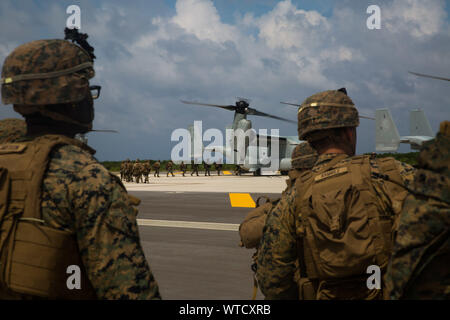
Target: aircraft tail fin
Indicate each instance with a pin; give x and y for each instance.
(418, 124)
(196, 146)
(387, 137)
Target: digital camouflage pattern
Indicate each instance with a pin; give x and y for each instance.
(12, 129)
(80, 195)
(44, 56)
(303, 156)
(419, 264)
(325, 110)
(278, 260)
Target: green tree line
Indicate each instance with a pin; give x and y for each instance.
(410, 158)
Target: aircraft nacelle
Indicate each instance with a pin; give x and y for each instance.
(244, 124)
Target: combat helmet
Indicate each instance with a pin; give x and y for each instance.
(46, 72)
(326, 110)
(303, 156)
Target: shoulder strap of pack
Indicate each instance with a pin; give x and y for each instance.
(34, 160)
(389, 168)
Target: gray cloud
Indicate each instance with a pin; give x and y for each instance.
(150, 56)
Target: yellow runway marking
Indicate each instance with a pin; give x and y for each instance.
(226, 172)
(242, 200)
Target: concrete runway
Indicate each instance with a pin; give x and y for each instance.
(198, 255)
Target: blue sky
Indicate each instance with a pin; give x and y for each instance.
(150, 54)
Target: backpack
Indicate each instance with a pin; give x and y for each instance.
(251, 229)
(33, 256)
(343, 228)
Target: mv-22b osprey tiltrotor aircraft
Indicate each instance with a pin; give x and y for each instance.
(387, 137)
(241, 111)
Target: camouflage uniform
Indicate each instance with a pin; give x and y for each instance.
(129, 171)
(169, 168)
(156, 167)
(122, 170)
(146, 170)
(137, 171)
(207, 168)
(279, 258)
(218, 167)
(78, 194)
(194, 169)
(419, 264)
(183, 168)
(251, 229)
(12, 130)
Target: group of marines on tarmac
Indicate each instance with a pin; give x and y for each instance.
(339, 214)
(141, 170)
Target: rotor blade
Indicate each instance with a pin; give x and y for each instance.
(428, 76)
(291, 104)
(105, 130)
(229, 107)
(254, 112)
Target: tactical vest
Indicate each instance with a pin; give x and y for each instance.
(34, 258)
(343, 228)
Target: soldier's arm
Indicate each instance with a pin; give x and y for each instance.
(278, 251)
(108, 237)
(406, 171)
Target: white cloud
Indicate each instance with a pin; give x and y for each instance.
(286, 27)
(419, 18)
(147, 63)
(201, 18)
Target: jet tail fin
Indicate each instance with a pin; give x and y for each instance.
(418, 124)
(387, 137)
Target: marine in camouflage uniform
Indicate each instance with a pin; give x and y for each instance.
(238, 170)
(218, 167)
(169, 168)
(78, 195)
(207, 167)
(156, 167)
(129, 171)
(122, 170)
(12, 130)
(419, 264)
(194, 168)
(183, 168)
(146, 168)
(251, 229)
(287, 239)
(137, 171)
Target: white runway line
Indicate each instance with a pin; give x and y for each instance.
(189, 224)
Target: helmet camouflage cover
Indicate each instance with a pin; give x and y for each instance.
(303, 156)
(326, 110)
(44, 72)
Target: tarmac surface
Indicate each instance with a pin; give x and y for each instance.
(189, 232)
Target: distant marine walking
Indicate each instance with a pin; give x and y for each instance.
(194, 168)
(183, 168)
(169, 168)
(156, 167)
